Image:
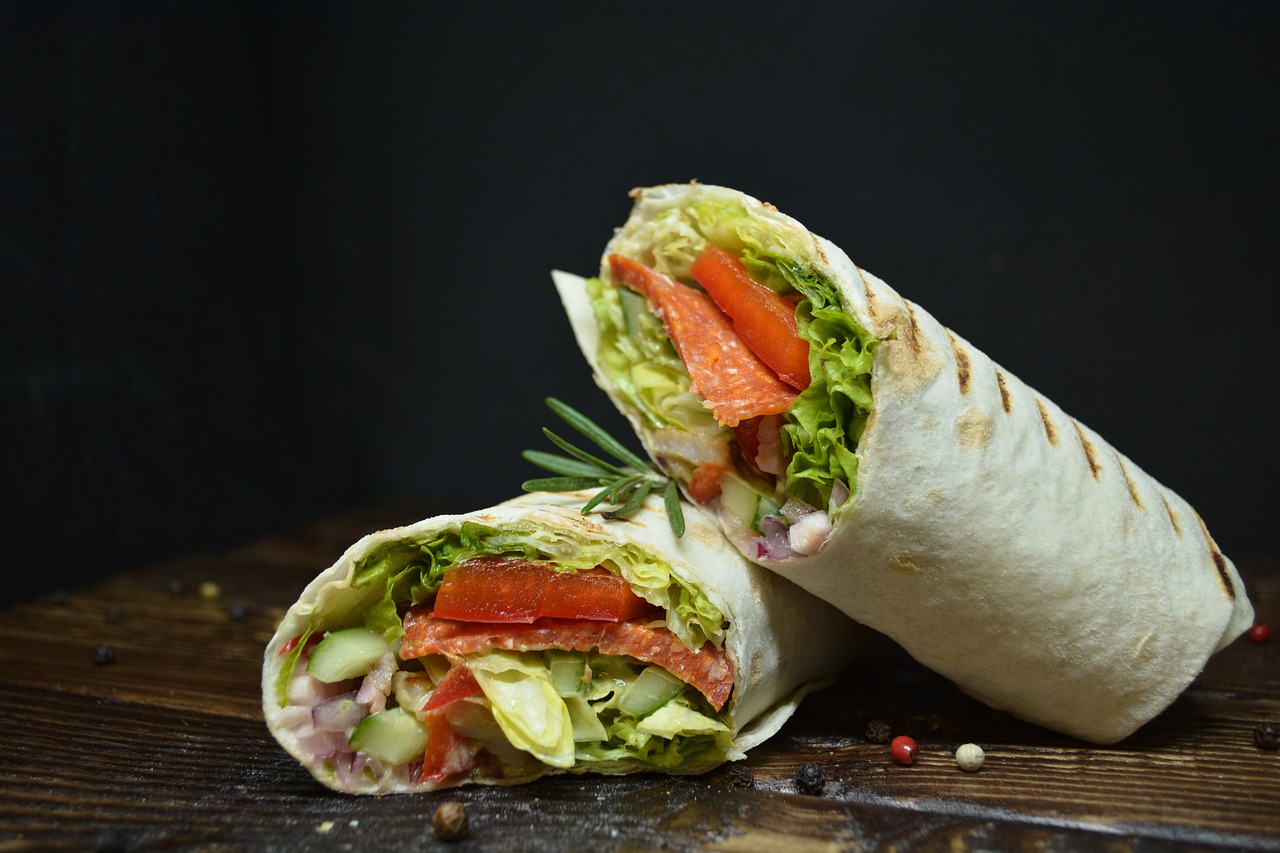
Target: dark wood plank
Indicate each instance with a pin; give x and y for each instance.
(165, 747)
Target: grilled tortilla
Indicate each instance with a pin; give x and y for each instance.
(907, 479)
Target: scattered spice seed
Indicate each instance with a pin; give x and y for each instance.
(115, 613)
(810, 779)
(60, 598)
(450, 822)
(904, 750)
(878, 731)
(104, 653)
(175, 586)
(970, 757)
(1260, 633)
(110, 841)
(1266, 736)
(740, 776)
(210, 591)
(237, 611)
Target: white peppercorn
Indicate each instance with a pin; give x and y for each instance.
(970, 757)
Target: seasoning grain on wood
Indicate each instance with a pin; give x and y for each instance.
(165, 748)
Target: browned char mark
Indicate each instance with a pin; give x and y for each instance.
(1133, 487)
(963, 372)
(913, 328)
(1006, 401)
(1090, 454)
(873, 309)
(1050, 431)
(1219, 561)
(1173, 516)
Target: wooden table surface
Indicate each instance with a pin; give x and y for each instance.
(165, 748)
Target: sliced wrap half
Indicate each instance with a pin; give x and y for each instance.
(526, 639)
(851, 443)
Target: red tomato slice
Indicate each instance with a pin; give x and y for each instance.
(447, 753)
(458, 683)
(764, 320)
(704, 484)
(488, 589)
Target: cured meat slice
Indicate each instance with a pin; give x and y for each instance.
(734, 383)
(706, 669)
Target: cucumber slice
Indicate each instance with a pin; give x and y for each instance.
(653, 688)
(764, 507)
(567, 669)
(738, 498)
(345, 654)
(394, 736)
(634, 306)
(586, 723)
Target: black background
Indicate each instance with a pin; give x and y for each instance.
(265, 261)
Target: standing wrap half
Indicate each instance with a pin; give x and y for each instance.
(848, 441)
(526, 639)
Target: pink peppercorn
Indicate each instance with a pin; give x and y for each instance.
(1260, 633)
(904, 750)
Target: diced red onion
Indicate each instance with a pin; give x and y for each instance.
(320, 745)
(339, 714)
(377, 684)
(809, 533)
(693, 448)
(795, 509)
(839, 494)
(306, 690)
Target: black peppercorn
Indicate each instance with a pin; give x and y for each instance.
(740, 776)
(450, 822)
(810, 779)
(237, 611)
(60, 597)
(878, 731)
(175, 586)
(1267, 736)
(104, 653)
(115, 613)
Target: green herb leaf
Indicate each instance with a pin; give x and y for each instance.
(624, 487)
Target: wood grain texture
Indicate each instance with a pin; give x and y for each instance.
(165, 748)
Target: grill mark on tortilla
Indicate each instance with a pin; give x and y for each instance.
(817, 246)
(1050, 431)
(1133, 487)
(872, 311)
(913, 328)
(963, 374)
(1006, 401)
(1089, 453)
(1173, 516)
(1219, 561)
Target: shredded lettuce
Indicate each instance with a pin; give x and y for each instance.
(825, 423)
(684, 733)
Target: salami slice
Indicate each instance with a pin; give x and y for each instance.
(707, 669)
(732, 381)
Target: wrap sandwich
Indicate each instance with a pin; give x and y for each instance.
(527, 639)
(848, 441)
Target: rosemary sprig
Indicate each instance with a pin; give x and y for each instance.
(624, 485)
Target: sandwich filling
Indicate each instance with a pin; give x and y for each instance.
(490, 655)
(752, 384)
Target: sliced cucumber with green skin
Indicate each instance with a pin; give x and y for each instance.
(653, 688)
(764, 507)
(633, 307)
(567, 670)
(394, 736)
(345, 654)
